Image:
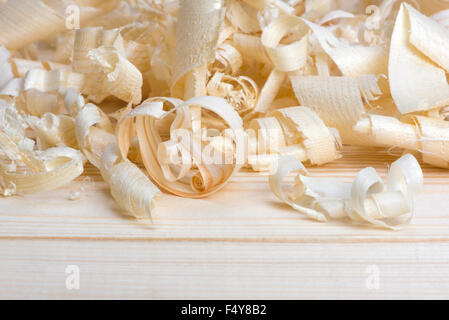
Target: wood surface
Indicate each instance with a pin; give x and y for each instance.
(238, 244)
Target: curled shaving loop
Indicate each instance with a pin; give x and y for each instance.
(426, 135)
(242, 16)
(52, 81)
(137, 41)
(252, 47)
(295, 131)
(352, 60)
(193, 178)
(339, 101)
(418, 48)
(37, 171)
(320, 142)
(241, 91)
(227, 59)
(284, 57)
(93, 132)
(196, 43)
(26, 169)
(286, 166)
(86, 39)
(434, 140)
(366, 200)
(115, 59)
(119, 77)
(20, 67)
(130, 187)
(53, 130)
(395, 206)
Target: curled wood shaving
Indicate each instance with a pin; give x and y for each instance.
(53, 130)
(427, 135)
(89, 38)
(367, 199)
(352, 60)
(52, 81)
(120, 77)
(25, 170)
(416, 82)
(132, 190)
(195, 42)
(228, 58)
(338, 100)
(93, 132)
(241, 92)
(295, 131)
(38, 103)
(242, 16)
(21, 67)
(184, 120)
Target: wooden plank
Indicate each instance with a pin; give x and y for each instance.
(239, 243)
(245, 210)
(226, 270)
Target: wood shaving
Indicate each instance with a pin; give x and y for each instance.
(367, 199)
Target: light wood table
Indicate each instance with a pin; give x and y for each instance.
(239, 243)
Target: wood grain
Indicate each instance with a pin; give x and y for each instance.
(239, 243)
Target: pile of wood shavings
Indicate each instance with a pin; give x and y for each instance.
(197, 89)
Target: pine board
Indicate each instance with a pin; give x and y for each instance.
(239, 243)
